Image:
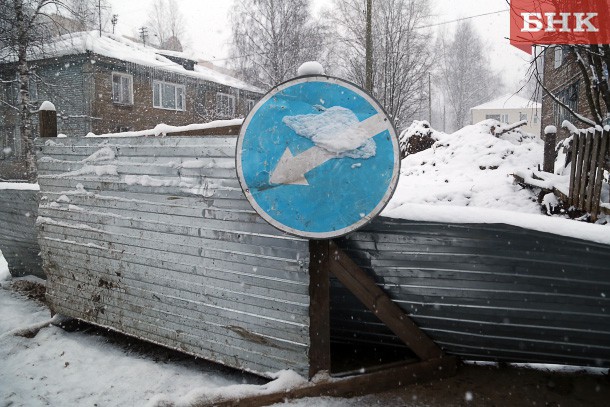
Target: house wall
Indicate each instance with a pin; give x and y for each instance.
(514, 115)
(557, 79)
(66, 81)
(200, 99)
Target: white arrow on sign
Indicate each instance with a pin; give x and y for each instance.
(291, 170)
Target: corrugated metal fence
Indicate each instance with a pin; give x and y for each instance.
(153, 237)
(486, 292)
(18, 211)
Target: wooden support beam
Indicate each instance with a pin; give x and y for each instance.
(352, 386)
(47, 120)
(319, 307)
(376, 300)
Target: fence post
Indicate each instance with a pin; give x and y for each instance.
(47, 120)
(550, 140)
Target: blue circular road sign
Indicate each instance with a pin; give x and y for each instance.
(318, 157)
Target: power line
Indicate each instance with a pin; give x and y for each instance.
(462, 19)
(415, 28)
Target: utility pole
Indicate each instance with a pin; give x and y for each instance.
(430, 99)
(114, 20)
(143, 34)
(369, 46)
(99, 15)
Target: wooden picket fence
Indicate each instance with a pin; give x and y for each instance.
(590, 151)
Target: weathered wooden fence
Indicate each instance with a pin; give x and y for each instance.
(590, 155)
(153, 237)
(18, 242)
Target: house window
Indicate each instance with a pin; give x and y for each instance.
(122, 89)
(250, 103)
(522, 116)
(558, 56)
(493, 116)
(169, 96)
(225, 105)
(504, 118)
(569, 97)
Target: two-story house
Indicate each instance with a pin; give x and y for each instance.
(108, 83)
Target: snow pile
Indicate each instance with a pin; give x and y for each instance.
(284, 380)
(467, 177)
(4, 273)
(470, 167)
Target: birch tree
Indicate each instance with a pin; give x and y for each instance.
(466, 76)
(271, 38)
(402, 54)
(24, 28)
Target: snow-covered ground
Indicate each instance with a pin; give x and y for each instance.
(467, 177)
(60, 368)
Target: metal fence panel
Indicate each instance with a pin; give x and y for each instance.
(487, 292)
(18, 211)
(154, 238)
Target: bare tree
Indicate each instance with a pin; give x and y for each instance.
(85, 15)
(271, 38)
(593, 62)
(166, 23)
(24, 29)
(402, 55)
(464, 69)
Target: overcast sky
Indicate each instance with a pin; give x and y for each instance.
(209, 27)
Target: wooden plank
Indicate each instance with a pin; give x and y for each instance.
(592, 170)
(601, 158)
(584, 167)
(319, 307)
(375, 299)
(47, 123)
(578, 177)
(575, 145)
(353, 386)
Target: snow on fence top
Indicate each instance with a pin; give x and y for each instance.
(163, 129)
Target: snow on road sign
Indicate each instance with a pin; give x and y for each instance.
(318, 157)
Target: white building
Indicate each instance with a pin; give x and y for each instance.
(510, 109)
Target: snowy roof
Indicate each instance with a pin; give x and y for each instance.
(509, 101)
(118, 47)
